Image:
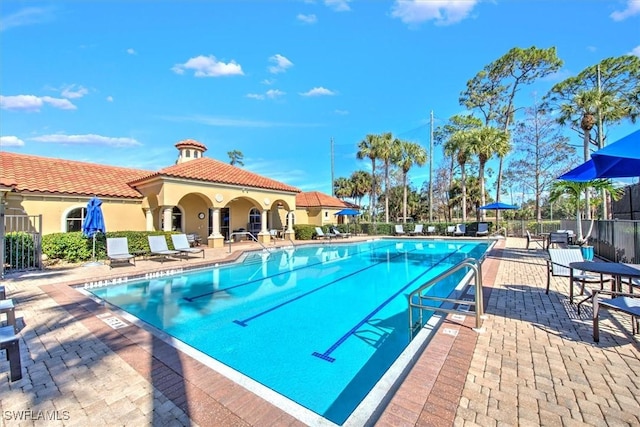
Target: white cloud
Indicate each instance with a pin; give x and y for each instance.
(208, 66)
(338, 5)
(72, 92)
(11, 141)
(271, 94)
(109, 98)
(282, 64)
(341, 112)
(33, 103)
(268, 81)
(635, 51)
(132, 51)
(633, 8)
(307, 19)
(318, 91)
(89, 139)
(443, 12)
(27, 16)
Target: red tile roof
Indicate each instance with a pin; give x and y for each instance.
(27, 173)
(211, 170)
(317, 199)
(191, 143)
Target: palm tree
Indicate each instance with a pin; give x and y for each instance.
(361, 182)
(235, 157)
(574, 189)
(410, 154)
(388, 153)
(368, 148)
(485, 142)
(342, 188)
(458, 147)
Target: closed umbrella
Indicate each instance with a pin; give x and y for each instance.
(93, 224)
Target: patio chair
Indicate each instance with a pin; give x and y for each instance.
(399, 230)
(483, 229)
(11, 344)
(7, 307)
(338, 233)
(558, 239)
(431, 229)
(460, 230)
(193, 239)
(625, 303)
(181, 244)
(158, 246)
(118, 251)
(450, 229)
(321, 235)
(558, 266)
(539, 240)
(417, 230)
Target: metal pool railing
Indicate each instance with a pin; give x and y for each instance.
(476, 271)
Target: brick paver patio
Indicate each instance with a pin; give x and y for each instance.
(534, 364)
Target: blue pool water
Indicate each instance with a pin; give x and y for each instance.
(317, 324)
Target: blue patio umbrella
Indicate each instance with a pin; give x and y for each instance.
(498, 206)
(620, 159)
(93, 224)
(348, 212)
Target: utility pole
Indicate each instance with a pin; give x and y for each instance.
(431, 167)
(333, 192)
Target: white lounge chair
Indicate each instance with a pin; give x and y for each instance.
(181, 244)
(431, 229)
(460, 230)
(118, 251)
(338, 233)
(417, 230)
(483, 229)
(399, 230)
(321, 234)
(158, 246)
(450, 229)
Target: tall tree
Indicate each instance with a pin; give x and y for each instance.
(361, 185)
(601, 95)
(456, 136)
(492, 91)
(236, 157)
(342, 188)
(368, 148)
(486, 142)
(410, 154)
(543, 152)
(387, 153)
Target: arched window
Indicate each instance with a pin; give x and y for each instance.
(255, 221)
(75, 218)
(187, 153)
(176, 219)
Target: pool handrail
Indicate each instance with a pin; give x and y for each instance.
(476, 270)
(245, 233)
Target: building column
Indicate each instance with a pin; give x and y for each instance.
(263, 235)
(290, 234)
(148, 214)
(167, 211)
(215, 240)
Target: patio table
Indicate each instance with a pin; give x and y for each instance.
(615, 269)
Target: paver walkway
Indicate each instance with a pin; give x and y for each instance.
(535, 364)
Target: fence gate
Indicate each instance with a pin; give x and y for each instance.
(21, 243)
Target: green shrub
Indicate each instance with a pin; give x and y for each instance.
(304, 231)
(74, 247)
(19, 248)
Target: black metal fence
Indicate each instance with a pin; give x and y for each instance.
(20, 242)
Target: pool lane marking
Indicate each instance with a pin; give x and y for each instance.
(248, 319)
(326, 355)
(206, 294)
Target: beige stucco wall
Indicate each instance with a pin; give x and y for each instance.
(119, 215)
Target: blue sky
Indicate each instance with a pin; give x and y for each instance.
(121, 82)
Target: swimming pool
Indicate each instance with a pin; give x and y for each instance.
(319, 325)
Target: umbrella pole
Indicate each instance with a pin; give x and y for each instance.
(93, 261)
